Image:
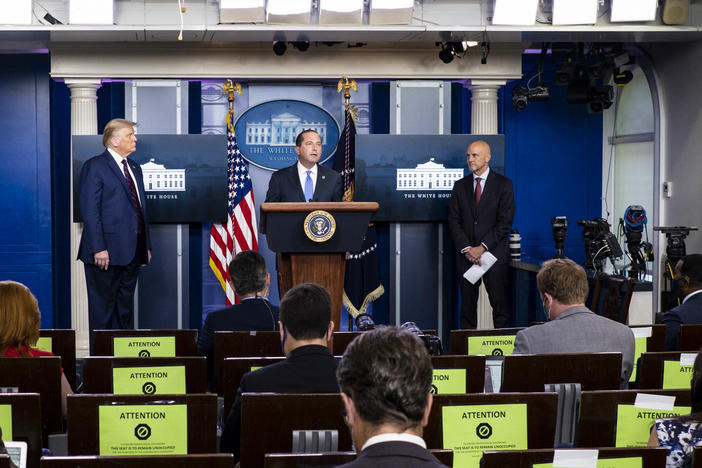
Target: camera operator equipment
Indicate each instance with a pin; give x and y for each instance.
(600, 245)
(432, 342)
(674, 251)
(633, 225)
(559, 226)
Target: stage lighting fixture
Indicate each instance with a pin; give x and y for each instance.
(600, 99)
(522, 96)
(633, 10)
(449, 50)
(622, 77)
(279, 47)
(390, 12)
(91, 12)
(578, 88)
(16, 12)
(564, 76)
(302, 46)
(242, 11)
(289, 11)
(341, 12)
(445, 54)
(515, 12)
(574, 12)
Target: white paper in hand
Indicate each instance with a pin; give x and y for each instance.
(474, 273)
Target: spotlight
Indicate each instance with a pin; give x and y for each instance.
(564, 76)
(302, 46)
(279, 47)
(522, 96)
(600, 99)
(622, 78)
(445, 55)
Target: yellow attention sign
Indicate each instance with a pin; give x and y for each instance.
(6, 421)
(623, 462)
(675, 375)
(634, 424)
(471, 429)
(448, 381)
(148, 380)
(143, 429)
(144, 346)
(501, 345)
(45, 343)
(640, 345)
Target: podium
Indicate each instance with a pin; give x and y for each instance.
(310, 248)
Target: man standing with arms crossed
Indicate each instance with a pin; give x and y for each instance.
(480, 219)
(115, 240)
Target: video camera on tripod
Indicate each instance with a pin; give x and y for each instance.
(600, 245)
(675, 249)
(634, 225)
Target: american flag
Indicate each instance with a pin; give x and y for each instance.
(240, 232)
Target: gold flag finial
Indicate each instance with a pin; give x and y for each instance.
(346, 85)
(228, 88)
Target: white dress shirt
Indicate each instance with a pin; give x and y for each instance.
(118, 159)
(394, 437)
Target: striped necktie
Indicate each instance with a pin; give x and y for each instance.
(133, 197)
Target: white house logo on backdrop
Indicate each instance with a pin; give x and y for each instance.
(281, 130)
(427, 176)
(266, 132)
(159, 179)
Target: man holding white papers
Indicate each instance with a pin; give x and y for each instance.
(480, 219)
(572, 327)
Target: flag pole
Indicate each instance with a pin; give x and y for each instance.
(229, 88)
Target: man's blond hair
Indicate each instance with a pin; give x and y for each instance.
(112, 126)
(564, 280)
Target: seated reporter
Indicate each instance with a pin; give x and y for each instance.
(20, 321)
(385, 379)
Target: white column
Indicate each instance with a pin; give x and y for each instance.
(483, 121)
(83, 122)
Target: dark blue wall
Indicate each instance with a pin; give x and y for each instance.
(25, 177)
(554, 157)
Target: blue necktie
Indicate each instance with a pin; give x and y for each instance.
(309, 187)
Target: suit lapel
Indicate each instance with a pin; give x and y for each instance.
(294, 178)
(321, 179)
(471, 195)
(117, 171)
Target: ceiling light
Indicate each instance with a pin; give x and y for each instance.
(391, 11)
(341, 12)
(279, 47)
(289, 11)
(515, 12)
(91, 12)
(242, 11)
(574, 12)
(633, 10)
(16, 12)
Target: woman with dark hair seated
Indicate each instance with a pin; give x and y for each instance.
(680, 435)
(19, 327)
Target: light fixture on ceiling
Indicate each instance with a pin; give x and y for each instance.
(515, 12)
(391, 11)
(574, 12)
(91, 12)
(341, 12)
(279, 47)
(242, 11)
(633, 10)
(289, 11)
(16, 12)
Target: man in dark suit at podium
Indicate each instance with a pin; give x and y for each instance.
(306, 180)
(688, 276)
(385, 378)
(480, 218)
(309, 367)
(115, 240)
(250, 280)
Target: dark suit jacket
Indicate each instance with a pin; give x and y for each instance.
(689, 312)
(395, 454)
(284, 186)
(307, 369)
(250, 314)
(492, 223)
(109, 219)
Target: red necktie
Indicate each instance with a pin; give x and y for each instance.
(478, 192)
(133, 197)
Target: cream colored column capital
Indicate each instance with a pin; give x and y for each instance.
(484, 105)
